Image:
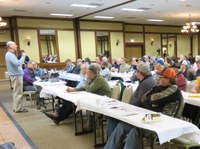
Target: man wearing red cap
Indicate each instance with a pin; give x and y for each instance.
(156, 99)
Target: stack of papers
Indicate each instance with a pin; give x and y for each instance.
(194, 95)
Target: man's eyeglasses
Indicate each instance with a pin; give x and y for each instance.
(164, 77)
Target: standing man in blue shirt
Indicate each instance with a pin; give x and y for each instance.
(14, 68)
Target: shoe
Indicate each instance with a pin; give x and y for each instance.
(56, 121)
(22, 110)
(51, 115)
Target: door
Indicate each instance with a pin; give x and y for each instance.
(133, 50)
(3, 69)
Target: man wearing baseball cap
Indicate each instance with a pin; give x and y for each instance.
(156, 99)
(158, 67)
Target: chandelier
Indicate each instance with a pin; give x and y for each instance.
(190, 27)
(2, 23)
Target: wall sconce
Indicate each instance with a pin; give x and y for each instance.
(170, 44)
(28, 41)
(132, 40)
(152, 41)
(117, 42)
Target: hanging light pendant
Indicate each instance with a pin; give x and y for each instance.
(190, 28)
(2, 23)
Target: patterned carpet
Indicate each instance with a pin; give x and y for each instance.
(10, 131)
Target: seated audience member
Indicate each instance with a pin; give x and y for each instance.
(184, 58)
(176, 63)
(114, 62)
(69, 66)
(198, 69)
(115, 68)
(133, 65)
(27, 59)
(146, 59)
(29, 76)
(188, 73)
(151, 63)
(105, 59)
(39, 72)
(190, 111)
(87, 60)
(98, 60)
(105, 72)
(94, 83)
(146, 83)
(66, 109)
(156, 99)
(124, 67)
(191, 59)
(194, 66)
(158, 67)
(77, 68)
(168, 62)
(180, 80)
(196, 87)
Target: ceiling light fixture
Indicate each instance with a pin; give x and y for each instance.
(190, 27)
(103, 17)
(61, 14)
(81, 5)
(130, 9)
(154, 20)
(2, 23)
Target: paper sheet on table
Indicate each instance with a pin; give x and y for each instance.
(112, 104)
(194, 95)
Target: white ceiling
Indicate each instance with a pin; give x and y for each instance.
(174, 12)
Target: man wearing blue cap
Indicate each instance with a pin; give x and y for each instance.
(158, 67)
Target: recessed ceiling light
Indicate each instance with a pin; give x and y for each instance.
(155, 20)
(61, 14)
(130, 9)
(182, 0)
(103, 17)
(81, 5)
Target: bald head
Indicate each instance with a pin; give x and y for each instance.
(11, 46)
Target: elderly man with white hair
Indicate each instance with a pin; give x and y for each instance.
(14, 67)
(124, 67)
(105, 59)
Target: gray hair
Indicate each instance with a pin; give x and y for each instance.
(79, 60)
(105, 59)
(104, 64)
(144, 68)
(94, 69)
(68, 60)
(9, 43)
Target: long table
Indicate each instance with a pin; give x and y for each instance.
(195, 101)
(168, 128)
(75, 77)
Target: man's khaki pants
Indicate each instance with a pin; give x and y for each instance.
(17, 84)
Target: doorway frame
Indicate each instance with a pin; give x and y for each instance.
(135, 44)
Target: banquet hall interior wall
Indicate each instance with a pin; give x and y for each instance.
(20, 29)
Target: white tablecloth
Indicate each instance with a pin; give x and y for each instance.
(191, 100)
(124, 76)
(167, 129)
(70, 76)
